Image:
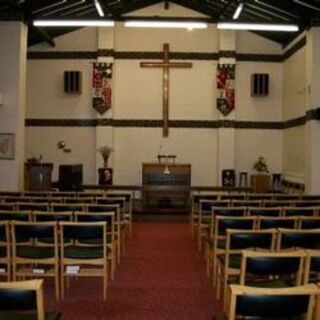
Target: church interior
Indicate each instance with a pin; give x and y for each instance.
(153, 153)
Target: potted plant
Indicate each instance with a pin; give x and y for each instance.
(261, 166)
(105, 152)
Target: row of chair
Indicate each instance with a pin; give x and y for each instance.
(204, 207)
(50, 198)
(55, 249)
(278, 260)
(205, 217)
(216, 237)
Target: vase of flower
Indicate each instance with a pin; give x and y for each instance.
(261, 166)
(105, 173)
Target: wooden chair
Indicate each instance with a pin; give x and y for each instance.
(80, 259)
(128, 205)
(205, 210)
(115, 209)
(195, 207)
(272, 269)
(228, 263)
(5, 252)
(268, 303)
(35, 251)
(221, 224)
(109, 218)
(23, 300)
(209, 235)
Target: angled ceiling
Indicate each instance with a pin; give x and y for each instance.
(305, 13)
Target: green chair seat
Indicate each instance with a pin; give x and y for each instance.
(76, 252)
(33, 252)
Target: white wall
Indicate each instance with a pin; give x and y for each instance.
(294, 106)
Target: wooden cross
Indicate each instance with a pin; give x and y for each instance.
(165, 65)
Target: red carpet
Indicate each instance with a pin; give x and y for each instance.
(161, 276)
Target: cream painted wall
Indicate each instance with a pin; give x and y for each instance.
(250, 144)
(249, 42)
(294, 106)
(294, 155)
(250, 108)
(81, 141)
(294, 85)
(83, 39)
(138, 95)
(138, 91)
(152, 39)
(45, 94)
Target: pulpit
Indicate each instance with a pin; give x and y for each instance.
(37, 176)
(166, 185)
(260, 183)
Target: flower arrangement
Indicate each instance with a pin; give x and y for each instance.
(105, 152)
(260, 165)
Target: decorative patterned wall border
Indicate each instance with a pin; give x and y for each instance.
(153, 123)
(138, 55)
(139, 123)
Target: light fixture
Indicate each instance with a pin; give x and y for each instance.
(307, 5)
(166, 24)
(257, 26)
(73, 23)
(99, 8)
(238, 11)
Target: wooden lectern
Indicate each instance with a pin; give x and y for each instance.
(166, 185)
(260, 183)
(37, 176)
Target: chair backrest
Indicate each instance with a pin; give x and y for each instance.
(259, 196)
(223, 223)
(275, 304)
(80, 200)
(15, 215)
(307, 239)
(83, 231)
(57, 207)
(246, 203)
(262, 263)
(29, 231)
(300, 211)
(276, 203)
(52, 216)
(245, 239)
(32, 206)
(309, 222)
(277, 222)
(7, 206)
(270, 212)
(229, 211)
(307, 203)
(22, 296)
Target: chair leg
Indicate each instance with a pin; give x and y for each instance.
(57, 287)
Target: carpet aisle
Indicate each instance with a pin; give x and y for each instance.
(161, 276)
